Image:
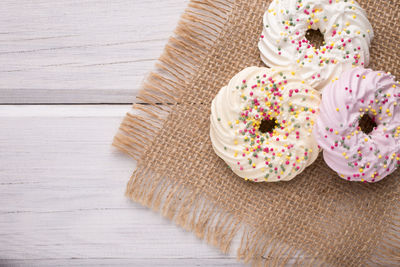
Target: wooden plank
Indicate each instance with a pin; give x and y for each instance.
(81, 51)
(62, 195)
(180, 262)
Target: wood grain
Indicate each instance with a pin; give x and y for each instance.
(81, 51)
(62, 201)
(61, 183)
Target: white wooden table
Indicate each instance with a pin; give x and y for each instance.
(68, 71)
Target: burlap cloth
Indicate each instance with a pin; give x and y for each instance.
(317, 218)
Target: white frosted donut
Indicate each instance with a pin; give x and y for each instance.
(343, 23)
(261, 124)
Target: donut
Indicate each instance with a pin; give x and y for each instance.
(261, 124)
(346, 30)
(355, 152)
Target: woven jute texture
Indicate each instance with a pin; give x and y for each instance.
(315, 219)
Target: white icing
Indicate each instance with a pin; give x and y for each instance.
(227, 124)
(343, 23)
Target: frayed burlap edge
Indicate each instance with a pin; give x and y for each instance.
(195, 34)
(209, 222)
(196, 31)
(193, 212)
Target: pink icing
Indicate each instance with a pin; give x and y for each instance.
(353, 154)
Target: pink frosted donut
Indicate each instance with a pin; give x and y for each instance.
(355, 153)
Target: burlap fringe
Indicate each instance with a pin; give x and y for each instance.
(189, 209)
(197, 30)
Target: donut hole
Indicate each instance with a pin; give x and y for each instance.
(268, 125)
(367, 124)
(315, 37)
